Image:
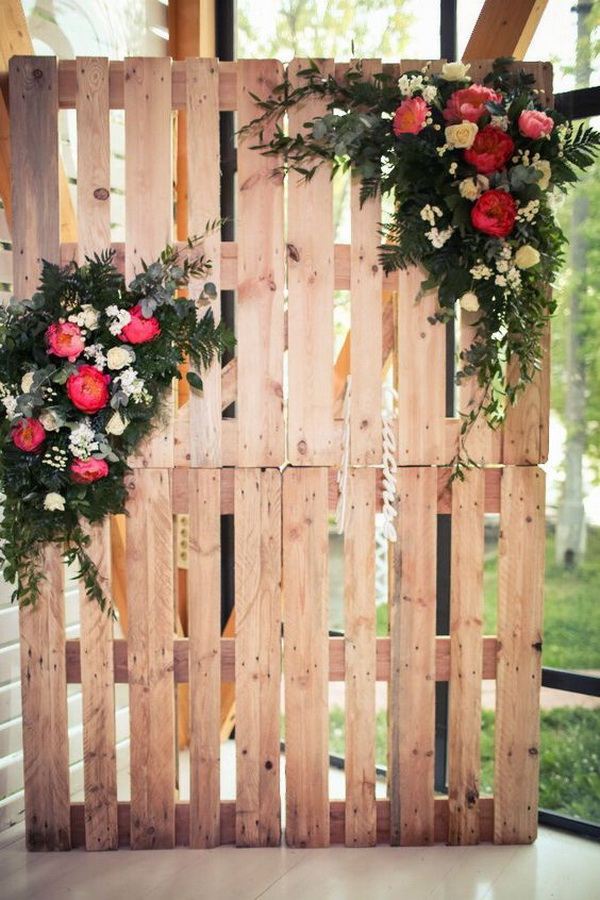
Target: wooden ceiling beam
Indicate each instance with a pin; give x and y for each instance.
(504, 28)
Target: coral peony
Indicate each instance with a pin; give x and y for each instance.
(535, 124)
(411, 116)
(88, 389)
(65, 339)
(139, 329)
(490, 150)
(494, 213)
(28, 435)
(84, 471)
(469, 103)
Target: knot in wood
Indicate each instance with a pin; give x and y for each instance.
(101, 194)
(37, 74)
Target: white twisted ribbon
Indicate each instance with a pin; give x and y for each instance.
(389, 398)
(342, 475)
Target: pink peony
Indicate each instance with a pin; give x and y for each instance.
(490, 150)
(84, 471)
(468, 104)
(88, 389)
(65, 339)
(411, 116)
(535, 124)
(28, 435)
(139, 329)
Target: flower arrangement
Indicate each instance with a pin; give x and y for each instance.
(85, 366)
(472, 170)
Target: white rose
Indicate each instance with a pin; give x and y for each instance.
(472, 188)
(116, 424)
(455, 71)
(49, 420)
(461, 135)
(90, 316)
(54, 502)
(118, 357)
(527, 256)
(469, 302)
(543, 166)
(27, 382)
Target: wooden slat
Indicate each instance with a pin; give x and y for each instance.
(365, 304)
(525, 433)
(483, 444)
(305, 548)
(412, 675)
(93, 157)
(258, 656)
(520, 608)
(421, 375)
(204, 628)
(504, 29)
(311, 438)
(359, 596)
(259, 314)
(34, 150)
(98, 689)
(149, 566)
(203, 202)
(148, 214)
(466, 635)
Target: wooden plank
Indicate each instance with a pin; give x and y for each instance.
(412, 675)
(98, 689)
(204, 628)
(258, 656)
(421, 375)
(34, 151)
(466, 638)
(525, 433)
(504, 29)
(360, 646)
(311, 438)
(305, 550)
(203, 201)
(148, 215)
(259, 313)
(483, 444)
(520, 619)
(149, 566)
(365, 305)
(93, 157)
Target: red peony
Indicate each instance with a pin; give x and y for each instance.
(28, 435)
(65, 339)
(140, 329)
(411, 116)
(490, 150)
(88, 389)
(535, 124)
(84, 471)
(468, 104)
(494, 213)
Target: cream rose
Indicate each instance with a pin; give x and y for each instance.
(543, 166)
(526, 257)
(455, 71)
(89, 316)
(469, 302)
(473, 188)
(116, 424)
(462, 135)
(118, 357)
(49, 420)
(53, 502)
(27, 382)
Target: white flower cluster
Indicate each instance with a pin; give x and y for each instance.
(132, 385)
(87, 318)
(481, 271)
(429, 213)
(121, 319)
(95, 352)
(8, 401)
(439, 238)
(528, 212)
(82, 441)
(500, 122)
(507, 273)
(409, 85)
(56, 458)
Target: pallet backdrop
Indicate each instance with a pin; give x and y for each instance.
(273, 466)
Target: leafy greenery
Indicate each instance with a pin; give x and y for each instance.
(441, 183)
(63, 456)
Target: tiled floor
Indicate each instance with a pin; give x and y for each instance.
(557, 867)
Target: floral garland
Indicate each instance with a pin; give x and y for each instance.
(472, 169)
(85, 367)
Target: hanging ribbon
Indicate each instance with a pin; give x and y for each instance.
(388, 417)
